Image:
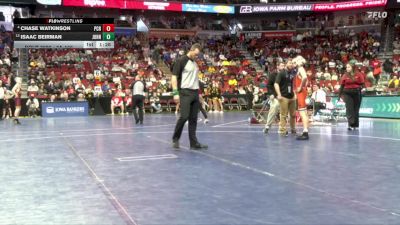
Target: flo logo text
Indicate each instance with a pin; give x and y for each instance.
(377, 15)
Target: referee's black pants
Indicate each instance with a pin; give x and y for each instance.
(190, 105)
(138, 101)
(352, 99)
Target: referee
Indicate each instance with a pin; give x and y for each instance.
(185, 85)
(138, 92)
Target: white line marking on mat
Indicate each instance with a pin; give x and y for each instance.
(32, 132)
(170, 132)
(146, 157)
(101, 182)
(220, 125)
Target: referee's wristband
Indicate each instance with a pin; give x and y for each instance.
(175, 92)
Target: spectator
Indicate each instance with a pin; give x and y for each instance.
(233, 82)
(155, 102)
(33, 106)
(319, 99)
(64, 96)
(388, 67)
(319, 75)
(80, 88)
(80, 97)
(33, 88)
(7, 112)
(105, 87)
(334, 75)
(396, 69)
(117, 102)
(53, 98)
(128, 100)
(241, 91)
(16, 90)
(376, 65)
(394, 82)
(396, 46)
(327, 75)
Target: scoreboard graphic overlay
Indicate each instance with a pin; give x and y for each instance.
(64, 33)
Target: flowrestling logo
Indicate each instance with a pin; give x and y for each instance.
(49, 2)
(119, 4)
(377, 15)
(156, 5)
(93, 3)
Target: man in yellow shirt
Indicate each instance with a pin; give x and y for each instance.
(211, 69)
(225, 63)
(232, 81)
(394, 82)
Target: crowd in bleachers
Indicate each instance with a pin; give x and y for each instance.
(80, 74)
(7, 56)
(73, 75)
(188, 22)
(327, 54)
(7, 79)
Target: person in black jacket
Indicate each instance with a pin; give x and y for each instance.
(285, 95)
(388, 67)
(273, 101)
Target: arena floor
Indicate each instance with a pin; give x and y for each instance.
(106, 170)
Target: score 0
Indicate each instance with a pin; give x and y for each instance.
(108, 27)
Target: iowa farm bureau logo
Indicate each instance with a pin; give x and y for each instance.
(249, 8)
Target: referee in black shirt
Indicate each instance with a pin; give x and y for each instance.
(138, 96)
(185, 85)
